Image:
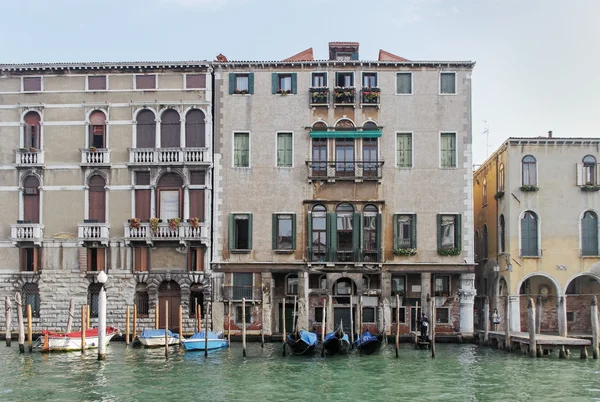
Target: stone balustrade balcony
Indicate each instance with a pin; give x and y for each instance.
(93, 232)
(169, 156)
(95, 157)
(29, 157)
(184, 233)
(27, 233)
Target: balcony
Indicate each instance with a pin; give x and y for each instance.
(169, 156)
(93, 232)
(184, 233)
(237, 293)
(319, 97)
(332, 170)
(343, 256)
(27, 233)
(344, 96)
(370, 97)
(95, 157)
(29, 157)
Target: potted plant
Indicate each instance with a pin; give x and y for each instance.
(405, 252)
(154, 224)
(449, 251)
(194, 222)
(284, 91)
(32, 149)
(134, 223)
(92, 148)
(370, 95)
(590, 187)
(240, 91)
(529, 188)
(344, 94)
(174, 223)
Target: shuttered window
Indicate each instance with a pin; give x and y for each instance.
(195, 129)
(404, 83)
(97, 199)
(448, 83)
(284, 150)
(145, 81)
(141, 259)
(448, 150)
(142, 204)
(96, 259)
(529, 171)
(284, 83)
(29, 259)
(405, 231)
(170, 129)
(284, 231)
(241, 150)
(31, 200)
(449, 231)
(96, 83)
(195, 81)
(145, 129)
(589, 234)
(196, 259)
(404, 150)
(240, 232)
(32, 84)
(197, 204)
(241, 83)
(32, 131)
(529, 234)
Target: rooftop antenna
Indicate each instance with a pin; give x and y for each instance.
(486, 131)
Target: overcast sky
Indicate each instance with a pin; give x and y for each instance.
(537, 60)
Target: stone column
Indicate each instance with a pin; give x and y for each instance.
(425, 289)
(153, 202)
(515, 313)
(386, 298)
(218, 307)
(562, 315)
(114, 254)
(303, 300)
(186, 203)
(267, 302)
(467, 294)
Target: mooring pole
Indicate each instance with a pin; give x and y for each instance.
(180, 313)
(262, 325)
(531, 324)
(283, 324)
(166, 328)
(83, 324)
(360, 325)
(156, 314)
(244, 327)
(594, 316)
(295, 316)
(198, 313)
(229, 324)
(102, 278)
(127, 318)
(134, 322)
(71, 315)
(397, 325)
(416, 325)
(433, 321)
(8, 312)
(351, 323)
(323, 320)
(29, 329)
(88, 312)
(20, 322)
(507, 324)
(486, 320)
(538, 315)
(206, 330)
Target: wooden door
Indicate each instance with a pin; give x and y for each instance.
(97, 199)
(169, 291)
(289, 317)
(342, 314)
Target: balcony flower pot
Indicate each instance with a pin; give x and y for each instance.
(405, 252)
(174, 223)
(134, 223)
(529, 188)
(32, 149)
(449, 251)
(590, 188)
(194, 222)
(92, 149)
(154, 224)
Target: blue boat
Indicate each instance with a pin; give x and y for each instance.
(153, 338)
(302, 342)
(336, 342)
(198, 341)
(369, 344)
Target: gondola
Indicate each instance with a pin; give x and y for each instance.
(336, 342)
(302, 342)
(369, 344)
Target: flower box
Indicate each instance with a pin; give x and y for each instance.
(449, 251)
(241, 92)
(134, 223)
(529, 188)
(194, 222)
(590, 187)
(405, 252)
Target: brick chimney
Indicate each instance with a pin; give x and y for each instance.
(550, 134)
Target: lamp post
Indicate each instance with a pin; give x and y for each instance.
(102, 278)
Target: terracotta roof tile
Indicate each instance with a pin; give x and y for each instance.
(305, 55)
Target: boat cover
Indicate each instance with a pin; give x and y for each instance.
(155, 333)
(308, 337)
(200, 335)
(366, 338)
(331, 335)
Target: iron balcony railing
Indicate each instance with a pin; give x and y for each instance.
(344, 95)
(370, 96)
(326, 170)
(319, 96)
(242, 292)
(331, 255)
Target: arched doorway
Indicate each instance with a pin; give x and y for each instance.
(169, 291)
(579, 292)
(545, 287)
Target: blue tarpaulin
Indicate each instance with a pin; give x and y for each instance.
(155, 333)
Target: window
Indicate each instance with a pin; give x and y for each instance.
(243, 286)
(405, 231)
(529, 234)
(344, 157)
(241, 83)
(370, 80)
(589, 170)
(196, 296)
(485, 242)
(317, 281)
(142, 300)
(31, 199)
(529, 171)
(239, 317)
(370, 157)
(502, 234)
(195, 81)
(145, 129)
(96, 259)
(241, 150)
(570, 316)
(30, 295)
(29, 259)
(32, 84)
(240, 231)
(399, 285)
(32, 134)
(169, 196)
(93, 293)
(170, 129)
(291, 284)
(344, 79)
(141, 257)
(284, 150)
(343, 56)
(441, 285)
(589, 234)
(97, 138)
(319, 314)
(371, 225)
(284, 231)
(97, 199)
(319, 156)
(196, 258)
(318, 246)
(284, 83)
(448, 83)
(442, 315)
(404, 150)
(319, 80)
(404, 83)
(402, 315)
(344, 287)
(345, 232)
(96, 83)
(449, 232)
(448, 150)
(195, 129)
(369, 315)
(484, 192)
(145, 81)
(501, 177)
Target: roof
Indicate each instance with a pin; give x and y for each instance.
(346, 63)
(305, 55)
(387, 56)
(102, 65)
(344, 43)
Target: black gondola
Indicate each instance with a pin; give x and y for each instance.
(302, 342)
(336, 342)
(369, 344)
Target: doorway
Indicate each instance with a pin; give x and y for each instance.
(169, 292)
(289, 317)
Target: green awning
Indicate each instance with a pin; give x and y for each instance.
(346, 134)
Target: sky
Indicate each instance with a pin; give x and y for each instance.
(537, 60)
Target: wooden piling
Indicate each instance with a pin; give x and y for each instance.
(20, 322)
(156, 314)
(562, 354)
(351, 324)
(323, 320)
(594, 317)
(360, 322)
(538, 315)
(166, 328)
(180, 314)
(198, 313)
(88, 311)
(397, 325)
(295, 316)
(532, 327)
(262, 326)
(229, 324)
(244, 327)
(432, 322)
(507, 324)
(29, 329)
(562, 317)
(283, 324)
(206, 330)
(8, 311)
(71, 315)
(416, 325)
(584, 353)
(486, 320)
(127, 318)
(83, 327)
(134, 321)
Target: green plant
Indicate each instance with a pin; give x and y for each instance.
(284, 91)
(134, 223)
(174, 223)
(241, 91)
(449, 251)
(590, 187)
(499, 195)
(529, 187)
(406, 252)
(154, 224)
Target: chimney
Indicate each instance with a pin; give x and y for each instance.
(550, 134)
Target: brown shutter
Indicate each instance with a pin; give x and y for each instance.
(141, 259)
(32, 84)
(142, 204)
(83, 265)
(31, 200)
(195, 81)
(97, 83)
(100, 259)
(200, 259)
(36, 259)
(195, 129)
(97, 199)
(170, 132)
(197, 204)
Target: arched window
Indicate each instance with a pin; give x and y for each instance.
(97, 137)
(344, 287)
(502, 234)
(31, 200)
(169, 196)
(484, 192)
(291, 284)
(32, 134)
(529, 171)
(97, 199)
(318, 246)
(589, 170)
(145, 129)
(319, 126)
(196, 296)
(345, 223)
(344, 124)
(30, 295)
(589, 234)
(371, 227)
(142, 300)
(93, 293)
(529, 234)
(485, 242)
(170, 129)
(195, 129)
(501, 177)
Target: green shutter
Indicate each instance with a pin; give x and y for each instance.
(274, 83)
(251, 83)
(294, 83)
(231, 83)
(308, 235)
(274, 232)
(231, 233)
(293, 231)
(439, 230)
(452, 150)
(413, 221)
(378, 232)
(337, 77)
(458, 239)
(326, 82)
(354, 56)
(356, 231)
(332, 235)
(249, 231)
(395, 224)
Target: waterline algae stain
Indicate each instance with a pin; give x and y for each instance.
(458, 373)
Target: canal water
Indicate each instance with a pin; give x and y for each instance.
(458, 373)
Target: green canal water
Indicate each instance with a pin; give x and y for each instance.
(458, 373)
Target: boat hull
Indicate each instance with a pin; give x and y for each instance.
(336, 346)
(71, 342)
(202, 344)
(300, 348)
(158, 341)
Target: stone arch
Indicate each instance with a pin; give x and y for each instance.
(28, 174)
(344, 122)
(579, 275)
(321, 124)
(90, 173)
(543, 288)
(553, 280)
(138, 111)
(155, 179)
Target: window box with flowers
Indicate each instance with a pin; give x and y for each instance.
(529, 188)
(319, 96)
(154, 224)
(370, 95)
(449, 251)
(241, 91)
(590, 187)
(134, 223)
(194, 222)
(344, 95)
(284, 91)
(406, 252)
(92, 149)
(174, 223)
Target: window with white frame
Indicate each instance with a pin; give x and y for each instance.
(589, 170)
(242, 83)
(448, 83)
(291, 284)
(441, 285)
(241, 150)
(370, 80)
(529, 167)
(449, 232)
(404, 83)
(344, 79)
(145, 81)
(404, 150)
(319, 80)
(284, 150)
(32, 84)
(448, 150)
(405, 231)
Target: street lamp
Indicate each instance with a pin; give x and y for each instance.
(102, 278)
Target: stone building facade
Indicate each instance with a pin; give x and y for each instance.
(344, 179)
(536, 230)
(106, 167)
